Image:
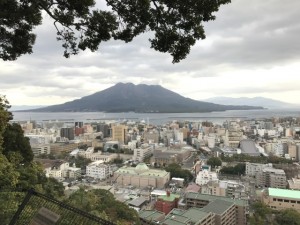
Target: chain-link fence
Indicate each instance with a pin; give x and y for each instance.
(33, 208)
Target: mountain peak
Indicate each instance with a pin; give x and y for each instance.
(125, 97)
(254, 101)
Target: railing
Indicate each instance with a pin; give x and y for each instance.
(31, 207)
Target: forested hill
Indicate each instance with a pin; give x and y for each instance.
(139, 98)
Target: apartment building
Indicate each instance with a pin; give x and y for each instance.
(225, 188)
(59, 169)
(224, 212)
(191, 216)
(67, 132)
(270, 177)
(294, 184)
(253, 168)
(40, 149)
(151, 136)
(98, 170)
(142, 152)
(233, 135)
(57, 148)
(281, 199)
(204, 176)
(119, 133)
(200, 201)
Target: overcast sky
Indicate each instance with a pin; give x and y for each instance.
(251, 49)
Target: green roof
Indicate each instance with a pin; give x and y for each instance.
(173, 222)
(170, 198)
(150, 214)
(142, 167)
(210, 198)
(195, 214)
(183, 217)
(285, 193)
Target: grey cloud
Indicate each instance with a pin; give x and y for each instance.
(245, 35)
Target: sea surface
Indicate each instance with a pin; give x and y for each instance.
(155, 118)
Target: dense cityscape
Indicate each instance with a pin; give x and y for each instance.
(151, 112)
(180, 172)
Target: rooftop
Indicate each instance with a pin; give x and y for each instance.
(169, 198)
(194, 195)
(137, 202)
(140, 172)
(218, 206)
(182, 217)
(285, 193)
(151, 215)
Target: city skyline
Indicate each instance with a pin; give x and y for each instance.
(250, 50)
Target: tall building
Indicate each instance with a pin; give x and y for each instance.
(233, 135)
(119, 133)
(292, 151)
(98, 170)
(40, 149)
(104, 128)
(224, 212)
(253, 168)
(270, 177)
(78, 124)
(205, 176)
(151, 136)
(67, 132)
(79, 130)
(141, 153)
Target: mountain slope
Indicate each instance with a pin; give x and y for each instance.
(265, 102)
(138, 98)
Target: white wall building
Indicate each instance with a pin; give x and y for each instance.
(253, 168)
(141, 153)
(132, 145)
(178, 136)
(211, 140)
(205, 176)
(98, 170)
(62, 170)
(40, 149)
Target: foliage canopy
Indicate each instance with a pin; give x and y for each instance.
(214, 162)
(176, 171)
(175, 24)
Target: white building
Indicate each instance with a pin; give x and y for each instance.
(98, 170)
(205, 176)
(143, 152)
(62, 169)
(40, 149)
(253, 168)
(106, 157)
(294, 184)
(270, 177)
(178, 136)
(132, 145)
(211, 140)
